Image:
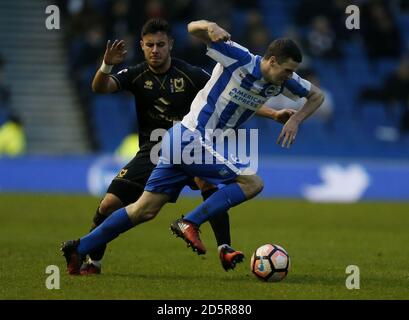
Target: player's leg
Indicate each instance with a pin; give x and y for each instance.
(124, 189)
(108, 205)
(251, 185)
(146, 208)
(220, 224)
(164, 185)
(214, 167)
(241, 189)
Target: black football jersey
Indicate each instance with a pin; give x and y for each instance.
(161, 99)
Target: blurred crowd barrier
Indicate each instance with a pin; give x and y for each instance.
(313, 180)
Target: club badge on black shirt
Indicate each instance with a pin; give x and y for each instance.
(161, 99)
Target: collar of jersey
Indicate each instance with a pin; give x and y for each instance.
(160, 74)
(257, 70)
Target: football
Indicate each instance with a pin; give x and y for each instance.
(270, 262)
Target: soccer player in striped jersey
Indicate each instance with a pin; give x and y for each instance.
(239, 85)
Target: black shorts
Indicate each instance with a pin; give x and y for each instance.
(130, 182)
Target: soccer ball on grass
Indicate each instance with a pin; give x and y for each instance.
(270, 262)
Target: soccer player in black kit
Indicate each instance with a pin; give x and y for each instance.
(164, 89)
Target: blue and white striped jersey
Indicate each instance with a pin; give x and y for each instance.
(236, 90)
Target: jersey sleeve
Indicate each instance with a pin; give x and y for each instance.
(123, 78)
(228, 53)
(201, 78)
(296, 87)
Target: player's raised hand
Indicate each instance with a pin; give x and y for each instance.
(115, 52)
(283, 115)
(288, 133)
(217, 34)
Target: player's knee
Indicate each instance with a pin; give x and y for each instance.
(258, 184)
(149, 214)
(148, 211)
(251, 185)
(109, 204)
(147, 207)
(140, 213)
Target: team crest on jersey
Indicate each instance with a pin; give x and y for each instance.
(122, 173)
(272, 90)
(178, 85)
(148, 84)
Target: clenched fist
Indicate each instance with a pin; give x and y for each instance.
(217, 34)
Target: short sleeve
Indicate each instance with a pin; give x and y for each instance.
(296, 87)
(228, 53)
(123, 78)
(201, 78)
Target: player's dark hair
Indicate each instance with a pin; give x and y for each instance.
(156, 25)
(283, 49)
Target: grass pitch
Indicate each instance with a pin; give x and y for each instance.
(149, 263)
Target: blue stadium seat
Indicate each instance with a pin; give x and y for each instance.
(403, 23)
(113, 118)
(238, 17)
(385, 67)
(180, 33)
(351, 134)
(276, 15)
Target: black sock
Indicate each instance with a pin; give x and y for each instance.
(220, 223)
(99, 252)
(98, 219)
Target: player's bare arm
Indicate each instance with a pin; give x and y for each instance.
(114, 54)
(208, 31)
(314, 99)
(280, 116)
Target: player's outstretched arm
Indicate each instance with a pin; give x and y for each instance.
(280, 116)
(114, 54)
(314, 99)
(207, 31)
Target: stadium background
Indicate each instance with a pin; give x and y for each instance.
(359, 138)
(356, 149)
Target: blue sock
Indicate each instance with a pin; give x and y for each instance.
(219, 202)
(112, 227)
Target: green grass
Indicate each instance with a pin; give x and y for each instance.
(149, 263)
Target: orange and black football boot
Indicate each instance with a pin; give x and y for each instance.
(73, 258)
(189, 232)
(230, 257)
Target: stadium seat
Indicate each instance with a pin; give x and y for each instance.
(113, 118)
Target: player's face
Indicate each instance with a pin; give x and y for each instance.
(156, 48)
(277, 73)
